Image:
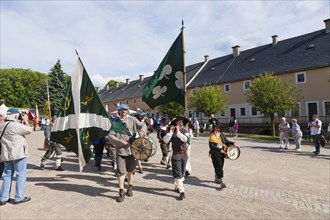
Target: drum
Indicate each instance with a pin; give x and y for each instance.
(233, 152)
(143, 148)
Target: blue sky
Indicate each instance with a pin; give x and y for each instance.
(123, 39)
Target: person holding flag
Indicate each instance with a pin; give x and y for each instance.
(123, 130)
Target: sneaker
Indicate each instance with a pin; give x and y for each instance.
(42, 167)
(298, 149)
(59, 168)
(26, 199)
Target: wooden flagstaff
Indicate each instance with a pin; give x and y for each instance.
(48, 99)
(184, 74)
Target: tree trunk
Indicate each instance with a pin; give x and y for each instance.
(272, 119)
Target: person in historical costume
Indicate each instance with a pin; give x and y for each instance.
(179, 158)
(217, 143)
(123, 130)
(165, 147)
(50, 148)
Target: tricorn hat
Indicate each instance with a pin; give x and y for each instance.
(176, 119)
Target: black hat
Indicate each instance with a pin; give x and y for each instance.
(163, 120)
(216, 124)
(176, 119)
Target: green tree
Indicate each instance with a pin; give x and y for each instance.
(21, 87)
(171, 109)
(208, 99)
(270, 94)
(58, 84)
(112, 83)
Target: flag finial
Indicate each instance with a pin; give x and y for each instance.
(182, 25)
(77, 52)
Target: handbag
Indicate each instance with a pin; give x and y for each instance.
(3, 131)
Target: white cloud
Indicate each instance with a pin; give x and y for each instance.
(122, 39)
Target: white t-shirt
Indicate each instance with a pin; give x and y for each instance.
(314, 130)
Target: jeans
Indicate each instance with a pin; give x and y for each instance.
(19, 167)
(316, 143)
(297, 141)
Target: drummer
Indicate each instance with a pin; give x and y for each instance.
(217, 142)
(179, 146)
(122, 130)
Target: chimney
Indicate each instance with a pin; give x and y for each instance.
(117, 84)
(127, 81)
(274, 37)
(206, 58)
(141, 77)
(236, 51)
(327, 25)
(107, 86)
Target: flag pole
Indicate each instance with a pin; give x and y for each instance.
(49, 112)
(184, 73)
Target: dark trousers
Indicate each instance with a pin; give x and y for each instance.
(164, 147)
(179, 167)
(316, 143)
(218, 160)
(98, 151)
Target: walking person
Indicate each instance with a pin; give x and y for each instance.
(123, 129)
(236, 128)
(14, 153)
(2, 165)
(189, 134)
(231, 125)
(284, 129)
(165, 147)
(217, 142)
(196, 127)
(98, 152)
(179, 158)
(296, 134)
(50, 148)
(315, 127)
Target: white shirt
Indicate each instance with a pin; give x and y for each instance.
(314, 130)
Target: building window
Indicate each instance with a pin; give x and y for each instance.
(226, 88)
(246, 85)
(242, 111)
(254, 111)
(127, 102)
(134, 101)
(327, 107)
(300, 78)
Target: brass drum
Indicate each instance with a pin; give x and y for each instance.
(143, 148)
(233, 152)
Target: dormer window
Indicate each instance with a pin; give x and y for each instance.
(300, 78)
(252, 60)
(310, 46)
(213, 68)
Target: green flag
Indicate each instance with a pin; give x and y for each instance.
(81, 115)
(167, 83)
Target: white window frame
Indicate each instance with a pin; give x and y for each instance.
(324, 108)
(224, 88)
(252, 111)
(246, 81)
(244, 110)
(296, 77)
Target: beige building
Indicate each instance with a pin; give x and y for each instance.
(303, 60)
